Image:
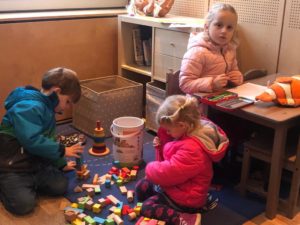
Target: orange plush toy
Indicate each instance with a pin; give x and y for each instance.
(285, 91)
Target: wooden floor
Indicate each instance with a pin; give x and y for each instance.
(49, 212)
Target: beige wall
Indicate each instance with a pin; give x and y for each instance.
(28, 49)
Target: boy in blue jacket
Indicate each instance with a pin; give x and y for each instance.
(31, 160)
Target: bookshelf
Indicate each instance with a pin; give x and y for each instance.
(166, 46)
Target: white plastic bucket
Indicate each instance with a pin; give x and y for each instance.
(127, 135)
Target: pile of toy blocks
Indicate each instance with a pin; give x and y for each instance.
(77, 212)
(75, 215)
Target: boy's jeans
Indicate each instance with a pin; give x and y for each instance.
(18, 191)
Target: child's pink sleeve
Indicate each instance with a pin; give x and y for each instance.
(164, 137)
(191, 79)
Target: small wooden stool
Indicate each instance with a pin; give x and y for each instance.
(257, 149)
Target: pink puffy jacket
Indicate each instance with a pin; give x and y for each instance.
(185, 173)
(203, 61)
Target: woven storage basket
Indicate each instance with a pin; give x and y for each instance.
(155, 95)
(105, 99)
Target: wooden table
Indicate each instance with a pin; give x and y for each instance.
(280, 119)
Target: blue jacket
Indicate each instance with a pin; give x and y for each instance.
(30, 118)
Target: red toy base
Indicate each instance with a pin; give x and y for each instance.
(106, 152)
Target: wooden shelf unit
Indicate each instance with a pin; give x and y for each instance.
(168, 45)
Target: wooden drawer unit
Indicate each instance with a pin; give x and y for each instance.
(163, 65)
(169, 42)
(169, 48)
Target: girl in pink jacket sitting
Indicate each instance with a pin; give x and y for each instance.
(185, 172)
(210, 62)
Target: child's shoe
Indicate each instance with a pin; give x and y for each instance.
(211, 203)
(190, 219)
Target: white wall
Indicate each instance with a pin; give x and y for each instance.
(289, 58)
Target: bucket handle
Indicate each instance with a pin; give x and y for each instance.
(124, 136)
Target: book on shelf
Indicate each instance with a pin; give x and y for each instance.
(138, 47)
(147, 51)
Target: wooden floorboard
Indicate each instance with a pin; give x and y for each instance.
(278, 220)
(48, 212)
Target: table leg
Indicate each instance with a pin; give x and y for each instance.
(275, 171)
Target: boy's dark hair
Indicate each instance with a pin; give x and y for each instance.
(65, 79)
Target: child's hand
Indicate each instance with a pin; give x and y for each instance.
(70, 166)
(235, 78)
(220, 81)
(74, 151)
(156, 142)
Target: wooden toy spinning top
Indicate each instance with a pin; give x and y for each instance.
(99, 148)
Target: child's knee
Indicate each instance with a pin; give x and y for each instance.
(144, 189)
(23, 210)
(22, 206)
(58, 188)
(147, 210)
(144, 185)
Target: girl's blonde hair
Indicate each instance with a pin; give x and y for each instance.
(214, 10)
(179, 108)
